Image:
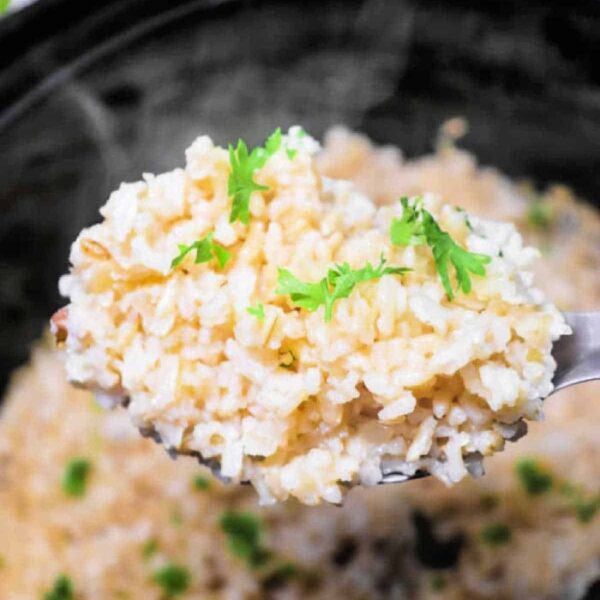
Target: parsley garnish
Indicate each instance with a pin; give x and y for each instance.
(257, 311)
(206, 249)
(338, 283)
(200, 483)
(62, 589)
(534, 479)
(240, 184)
(244, 532)
(4, 4)
(417, 227)
(496, 534)
(149, 549)
(173, 579)
(74, 481)
(175, 518)
(291, 153)
(585, 508)
(408, 230)
(539, 214)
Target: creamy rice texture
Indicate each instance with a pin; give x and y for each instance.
(293, 403)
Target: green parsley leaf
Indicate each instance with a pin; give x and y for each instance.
(241, 184)
(534, 479)
(408, 230)
(149, 549)
(244, 531)
(445, 250)
(496, 534)
(417, 226)
(175, 518)
(539, 214)
(201, 483)
(291, 153)
(62, 589)
(75, 477)
(173, 579)
(4, 4)
(272, 143)
(257, 311)
(585, 508)
(338, 283)
(206, 249)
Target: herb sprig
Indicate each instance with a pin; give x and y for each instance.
(257, 311)
(62, 589)
(418, 227)
(173, 579)
(244, 533)
(496, 534)
(75, 477)
(338, 283)
(206, 249)
(534, 479)
(241, 184)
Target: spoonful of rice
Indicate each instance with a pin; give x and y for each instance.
(284, 329)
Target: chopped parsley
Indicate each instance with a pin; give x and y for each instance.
(206, 249)
(585, 508)
(149, 549)
(338, 283)
(539, 214)
(201, 483)
(257, 311)
(173, 579)
(496, 534)
(75, 477)
(176, 519)
(409, 230)
(244, 532)
(62, 589)
(4, 4)
(418, 227)
(241, 184)
(533, 477)
(291, 153)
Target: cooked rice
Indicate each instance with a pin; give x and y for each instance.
(369, 548)
(401, 372)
